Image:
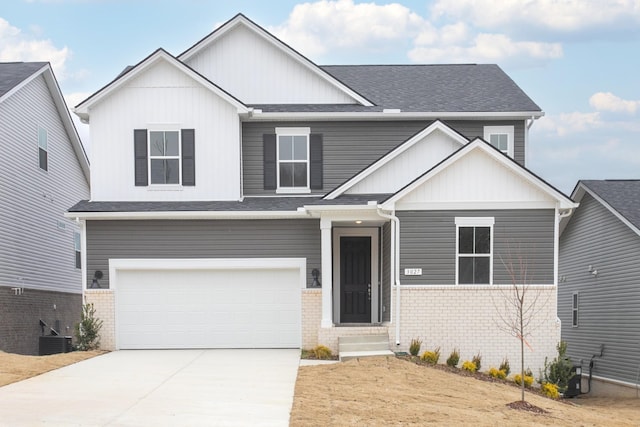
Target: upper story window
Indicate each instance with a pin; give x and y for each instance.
(500, 137)
(78, 249)
(43, 155)
(474, 251)
(293, 159)
(574, 310)
(164, 157)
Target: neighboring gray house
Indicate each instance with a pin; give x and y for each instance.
(43, 171)
(230, 181)
(599, 290)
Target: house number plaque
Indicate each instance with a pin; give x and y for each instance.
(413, 272)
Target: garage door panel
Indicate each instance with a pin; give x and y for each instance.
(214, 308)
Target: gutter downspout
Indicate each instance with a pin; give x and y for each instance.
(526, 140)
(395, 264)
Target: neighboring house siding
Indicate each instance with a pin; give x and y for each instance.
(349, 147)
(609, 304)
(386, 272)
(201, 239)
(164, 98)
(428, 239)
(36, 240)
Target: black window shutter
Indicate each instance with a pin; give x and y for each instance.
(315, 161)
(270, 167)
(140, 155)
(188, 157)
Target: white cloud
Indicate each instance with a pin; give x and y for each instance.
(315, 28)
(18, 46)
(552, 15)
(606, 101)
(564, 124)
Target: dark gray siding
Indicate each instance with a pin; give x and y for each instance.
(349, 147)
(201, 239)
(609, 304)
(386, 272)
(427, 241)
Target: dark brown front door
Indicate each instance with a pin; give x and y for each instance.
(355, 279)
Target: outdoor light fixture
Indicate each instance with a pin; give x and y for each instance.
(315, 273)
(358, 221)
(96, 276)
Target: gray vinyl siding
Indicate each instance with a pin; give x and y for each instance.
(428, 241)
(34, 252)
(609, 304)
(201, 239)
(386, 272)
(349, 147)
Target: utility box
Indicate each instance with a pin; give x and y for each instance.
(54, 344)
(574, 384)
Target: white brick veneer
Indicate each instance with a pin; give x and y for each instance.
(466, 317)
(104, 303)
(311, 316)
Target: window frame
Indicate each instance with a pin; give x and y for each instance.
(77, 245)
(293, 131)
(501, 130)
(151, 157)
(43, 148)
(575, 309)
(474, 222)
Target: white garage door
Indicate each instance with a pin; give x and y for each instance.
(208, 308)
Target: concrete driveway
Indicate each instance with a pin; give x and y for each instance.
(159, 388)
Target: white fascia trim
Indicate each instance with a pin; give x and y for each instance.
(473, 205)
(472, 221)
(395, 153)
(277, 43)
(301, 213)
(82, 110)
(512, 115)
(610, 208)
(330, 208)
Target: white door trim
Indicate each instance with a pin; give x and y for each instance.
(356, 232)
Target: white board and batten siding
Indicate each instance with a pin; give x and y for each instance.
(36, 241)
(163, 96)
(208, 303)
(255, 71)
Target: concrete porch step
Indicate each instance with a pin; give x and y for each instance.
(348, 355)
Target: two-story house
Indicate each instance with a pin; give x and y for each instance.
(43, 171)
(243, 196)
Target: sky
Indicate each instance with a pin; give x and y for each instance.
(577, 59)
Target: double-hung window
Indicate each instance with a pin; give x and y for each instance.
(500, 137)
(43, 155)
(293, 159)
(574, 310)
(474, 251)
(78, 249)
(164, 157)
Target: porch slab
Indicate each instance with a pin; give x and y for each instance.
(348, 355)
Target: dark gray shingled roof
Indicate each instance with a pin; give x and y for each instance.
(435, 88)
(13, 73)
(249, 204)
(622, 195)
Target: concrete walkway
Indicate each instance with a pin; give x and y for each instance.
(159, 388)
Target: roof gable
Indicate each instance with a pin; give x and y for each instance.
(478, 176)
(404, 163)
(260, 69)
(159, 56)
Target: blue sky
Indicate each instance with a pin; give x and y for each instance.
(577, 59)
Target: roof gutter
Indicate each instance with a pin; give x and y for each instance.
(300, 213)
(259, 115)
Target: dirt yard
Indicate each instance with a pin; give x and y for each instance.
(17, 367)
(393, 392)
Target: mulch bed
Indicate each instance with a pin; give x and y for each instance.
(521, 405)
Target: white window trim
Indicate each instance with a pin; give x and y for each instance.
(291, 131)
(167, 128)
(475, 222)
(575, 308)
(45, 148)
(508, 130)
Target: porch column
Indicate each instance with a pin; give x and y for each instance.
(327, 274)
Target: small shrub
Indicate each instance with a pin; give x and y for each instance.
(88, 330)
(322, 352)
(559, 370)
(504, 366)
(550, 390)
(453, 358)
(497, 373)
(528, 380)
(414, 347)
(477, 359)
(469, 366)
(431, 356)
